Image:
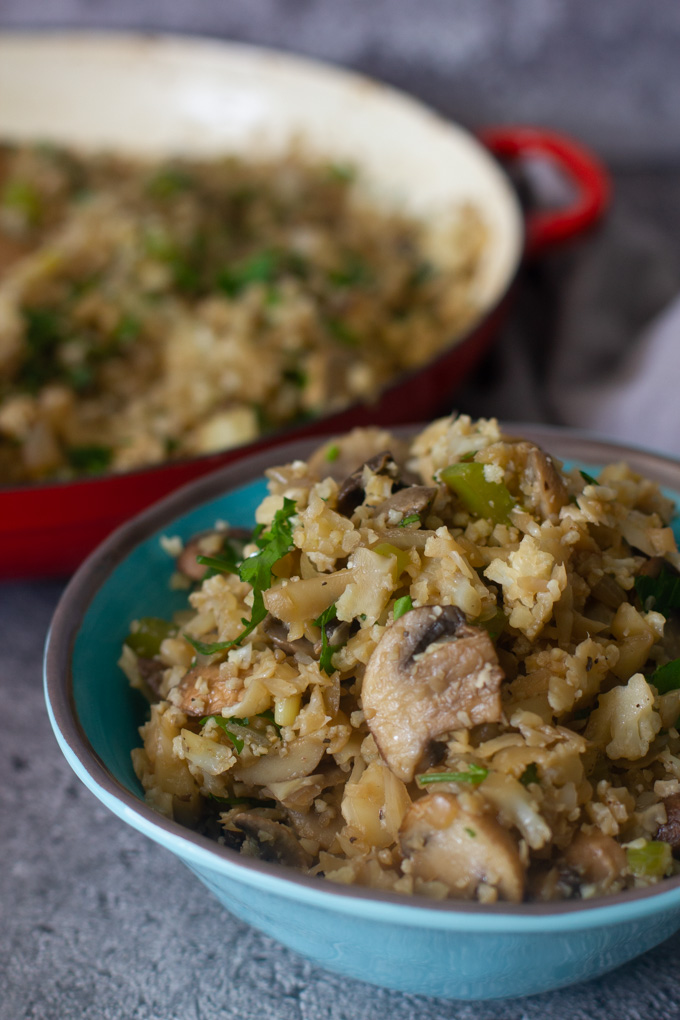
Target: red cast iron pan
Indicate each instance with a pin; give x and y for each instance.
(164, 95)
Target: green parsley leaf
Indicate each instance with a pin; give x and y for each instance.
(256, 571)
(342, 172)
(222, 563)
(169, 181)
(127, 330)
(223, 722)
(269, 716)
(411, 519)
(588, 478)
(401, 606)
(422, 274)
(208, 648)
(660, 593)
(475, 774)
(352, 272)
(471, 832)
(333, 452)
(260, 268)
(341, 332)
(666, 678)
(530, 775)
(295, 376)
(22, 197)
(327, 650)
(89, 459)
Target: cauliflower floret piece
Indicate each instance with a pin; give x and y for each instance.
(625, 720)
(532, 583)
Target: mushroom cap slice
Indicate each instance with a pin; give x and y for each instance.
(351, 491)
(546, 487)
(669, 832)
(596, 857)
(269, 840)
(445, 843)
(414, 499)
(204, 691)
(431, 672)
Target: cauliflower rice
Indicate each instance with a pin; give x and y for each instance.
(170, 310)
(447, 667)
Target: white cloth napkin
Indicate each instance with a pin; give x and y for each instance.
(639, 403)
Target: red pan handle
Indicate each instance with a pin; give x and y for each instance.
(546, 229)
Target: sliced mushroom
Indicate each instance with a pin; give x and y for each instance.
(277, 632)
(340, 456)
(596, 858)
(338, 633)
(414, 499)
(205, 692)
(445, 843)
(430, 672)
(669, 832)
(351, 492)
(151, 671)
(548, 491)
(405, 538)
(269, 840)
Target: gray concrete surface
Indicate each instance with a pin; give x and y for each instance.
(604, 69)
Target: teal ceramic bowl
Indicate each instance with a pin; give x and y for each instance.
(452, 950)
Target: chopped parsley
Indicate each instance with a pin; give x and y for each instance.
(327, 649)
(341, 332)
(260, 268)
(90, 460)
(475, 774)
(227, 723)
(21, 197)
(169, 181)
(401, 606)
(352, 272)
(411, 519)
(471, 832)
(666, 678)
(588, 479)
(660, 593)
(295, 376)
(225, 562)
(127, 330)
(333, 452)
(342, 172)
(530, 775)
(256, 571)
(224, 723)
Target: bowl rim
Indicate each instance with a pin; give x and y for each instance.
(94, 572)
(176, 43)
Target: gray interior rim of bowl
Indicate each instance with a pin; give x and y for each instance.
(566, 444)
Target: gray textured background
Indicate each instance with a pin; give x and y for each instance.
(96, 922)
(606, 69)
